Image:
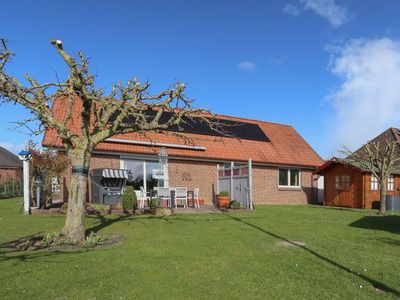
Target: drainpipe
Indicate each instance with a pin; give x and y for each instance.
(217, 179)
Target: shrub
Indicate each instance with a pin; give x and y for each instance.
(224, 194)
(101, 207)
(235, 204)
(93, 239)
(129, 199)
(49, 238)
(154, 203)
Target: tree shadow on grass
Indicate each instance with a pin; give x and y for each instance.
(108, 221)
(373, 282)
(105, 222)
(387, 223)
(8, 253)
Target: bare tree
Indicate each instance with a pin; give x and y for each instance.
(126, 108)
(380, 159)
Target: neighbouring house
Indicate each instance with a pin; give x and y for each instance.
(349, 186)
(10, 165)
(283, 163)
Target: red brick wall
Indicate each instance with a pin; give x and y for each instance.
(195, 174)
(266, 190)
(192, 174)
(265, 183)
(7, 174)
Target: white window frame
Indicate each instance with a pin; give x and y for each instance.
(390, 183)
(374, 183)
(289, 169)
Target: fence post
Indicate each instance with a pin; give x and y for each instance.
(231, 181)
(250, 167)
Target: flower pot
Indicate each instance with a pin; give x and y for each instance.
(224, 201)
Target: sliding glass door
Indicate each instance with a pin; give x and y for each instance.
(143, 173)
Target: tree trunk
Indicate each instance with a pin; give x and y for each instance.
(74, 228)
(382, 210)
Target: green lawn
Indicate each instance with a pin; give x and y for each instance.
(348, 254)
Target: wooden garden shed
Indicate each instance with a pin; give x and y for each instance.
(349, 186)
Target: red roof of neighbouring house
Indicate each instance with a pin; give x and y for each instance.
(285, 145)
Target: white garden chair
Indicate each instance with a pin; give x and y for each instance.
(181, 195)
(144, 195)
(164, 194)
(140, 198)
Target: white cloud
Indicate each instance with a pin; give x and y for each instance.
(368, 100)
(246, 65)
(292, 9)
(335, 14)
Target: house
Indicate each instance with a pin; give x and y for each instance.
(10, 165)
(350, 186)
(282, 161)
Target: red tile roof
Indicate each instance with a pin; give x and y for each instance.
(286, 146)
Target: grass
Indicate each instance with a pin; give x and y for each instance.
(348, 254)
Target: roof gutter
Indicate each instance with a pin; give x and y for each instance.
(155, 144)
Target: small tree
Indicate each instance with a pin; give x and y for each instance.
(46, 165)
(380, 159)
(126, 108)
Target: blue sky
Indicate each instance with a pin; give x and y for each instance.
(329, 68)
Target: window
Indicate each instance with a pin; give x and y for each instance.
(374, 183)
(342, 183)
(345, 182)
(144, 174)
(289, 177)
(390, 183)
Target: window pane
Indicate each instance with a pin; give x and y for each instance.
(135, 168)
(390, 183)
(152, 173)
(294, 177)
(283, 176)
(337, 183)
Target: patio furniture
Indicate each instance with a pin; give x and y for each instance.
(181, 195)
(108, 185)
(164, 194)
(145, 197)
(196, 198)
(140, 197)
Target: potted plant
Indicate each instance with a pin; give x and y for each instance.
(224, 200)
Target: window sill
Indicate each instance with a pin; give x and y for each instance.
(289, 188)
